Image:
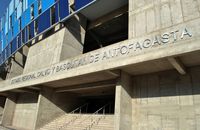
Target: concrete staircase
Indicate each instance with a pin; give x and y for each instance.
(81, 122)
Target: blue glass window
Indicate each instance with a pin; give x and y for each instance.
(8, 51)
(44, 25)
(23, 22)
(46, 4)
(9, 36)
(19, 10)
(63, 9)
(3, 41)
(31, 30)
(1, 59)
(81, 3)
(35, 8)
(13, 19)
(19, 40)
(57, 11)
(16, 3)
(11, 7)
(28, 16)
(13, 46)
(16, 28)
(0, 36)
(30, 2)
(24, 36)
(4, 55)
(54, 14)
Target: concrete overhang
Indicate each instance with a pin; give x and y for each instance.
(102, 67)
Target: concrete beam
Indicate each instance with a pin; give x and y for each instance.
(87, 86)
(34, 88)
(114, 72)
(25, 90)
(177, 64)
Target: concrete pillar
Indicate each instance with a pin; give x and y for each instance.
(3, 73)
(2, 104)
(74, 37)
(52, 105)
(9, 109)
(123, 104)
(62, 44)
(46, 109)
(18, 63)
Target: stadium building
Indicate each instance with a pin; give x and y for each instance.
(100, 65)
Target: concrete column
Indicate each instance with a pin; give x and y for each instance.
(74, 37)
(9, 110)
(3, 73)
(46, 109)
(62, 44)
(2, 104)
(123, 104)
(52, 105)
(18, 63)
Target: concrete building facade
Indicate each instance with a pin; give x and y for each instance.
(112, 65)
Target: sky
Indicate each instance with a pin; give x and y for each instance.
(3, 5)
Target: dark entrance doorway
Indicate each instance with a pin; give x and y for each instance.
(105, 104)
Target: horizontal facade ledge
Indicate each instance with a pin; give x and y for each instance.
(177, 40)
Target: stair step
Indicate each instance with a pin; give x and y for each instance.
(81, 121)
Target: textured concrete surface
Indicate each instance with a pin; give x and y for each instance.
(52, 105)
(18, 63)
(158, 29)
(67, 42)
(123, 107)
(182, 46)
(25, 111)
(166, 101)
(153, 15)
(9, 110)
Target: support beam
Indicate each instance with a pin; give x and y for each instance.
(87, 86)
(25, 90)
(115, 73)
(177, 64)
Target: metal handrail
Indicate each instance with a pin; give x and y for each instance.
(72, 112)
(102, 108)
(80, 108)
(98, 119)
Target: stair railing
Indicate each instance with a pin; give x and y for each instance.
(79, 110)
(95, 121)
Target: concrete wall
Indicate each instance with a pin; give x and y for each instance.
(167, 101)
(147, 16)
(25, 111)
(52, 105)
